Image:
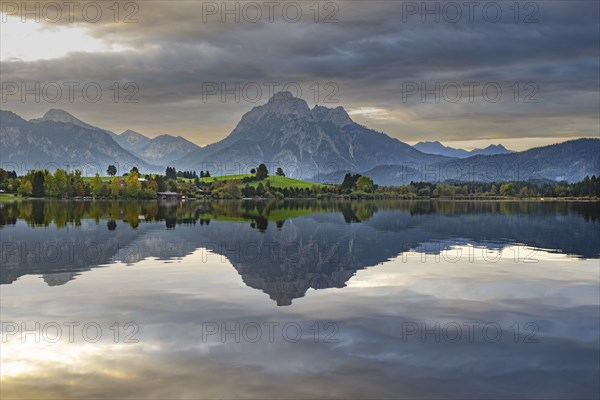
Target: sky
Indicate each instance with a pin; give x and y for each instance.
(468, 74)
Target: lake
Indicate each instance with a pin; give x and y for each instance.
(300, 299)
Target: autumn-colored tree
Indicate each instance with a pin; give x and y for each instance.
(364, 184)
(508, 189)
(77, 184)
(132, 185)
(60, 182)
(50, 185)
(114, 187)
(152, 185)
(97, 185)
(26, 188)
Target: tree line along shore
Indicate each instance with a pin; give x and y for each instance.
(260, 184)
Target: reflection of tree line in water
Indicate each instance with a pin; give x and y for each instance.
(394, 227)
(42, 213)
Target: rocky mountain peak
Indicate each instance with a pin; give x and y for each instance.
(58, 115)
(497, 147)
(10, 117)
(131, 140)
(129, 132)
(281, 106)
(281, 97)
(284, 104)
(338, 116)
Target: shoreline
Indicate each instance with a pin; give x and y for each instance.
(10, 199)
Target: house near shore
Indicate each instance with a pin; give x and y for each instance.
(169, 195)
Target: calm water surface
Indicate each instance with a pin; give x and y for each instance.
(380, 299)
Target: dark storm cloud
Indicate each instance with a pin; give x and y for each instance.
(373, 49)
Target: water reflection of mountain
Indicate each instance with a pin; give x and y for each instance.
(282, 249)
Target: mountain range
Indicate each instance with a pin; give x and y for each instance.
(438, 148)
(161, 150)
(59, 140)
(569, 161)
(319, 143)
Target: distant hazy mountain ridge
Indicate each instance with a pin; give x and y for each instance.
(569, 161)
(438, 148)
(166, 149)
(131, 140)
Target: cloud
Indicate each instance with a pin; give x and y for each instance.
(371, 112)
(369, 56)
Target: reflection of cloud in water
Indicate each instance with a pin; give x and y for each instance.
(370, 358)
(171, 281)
